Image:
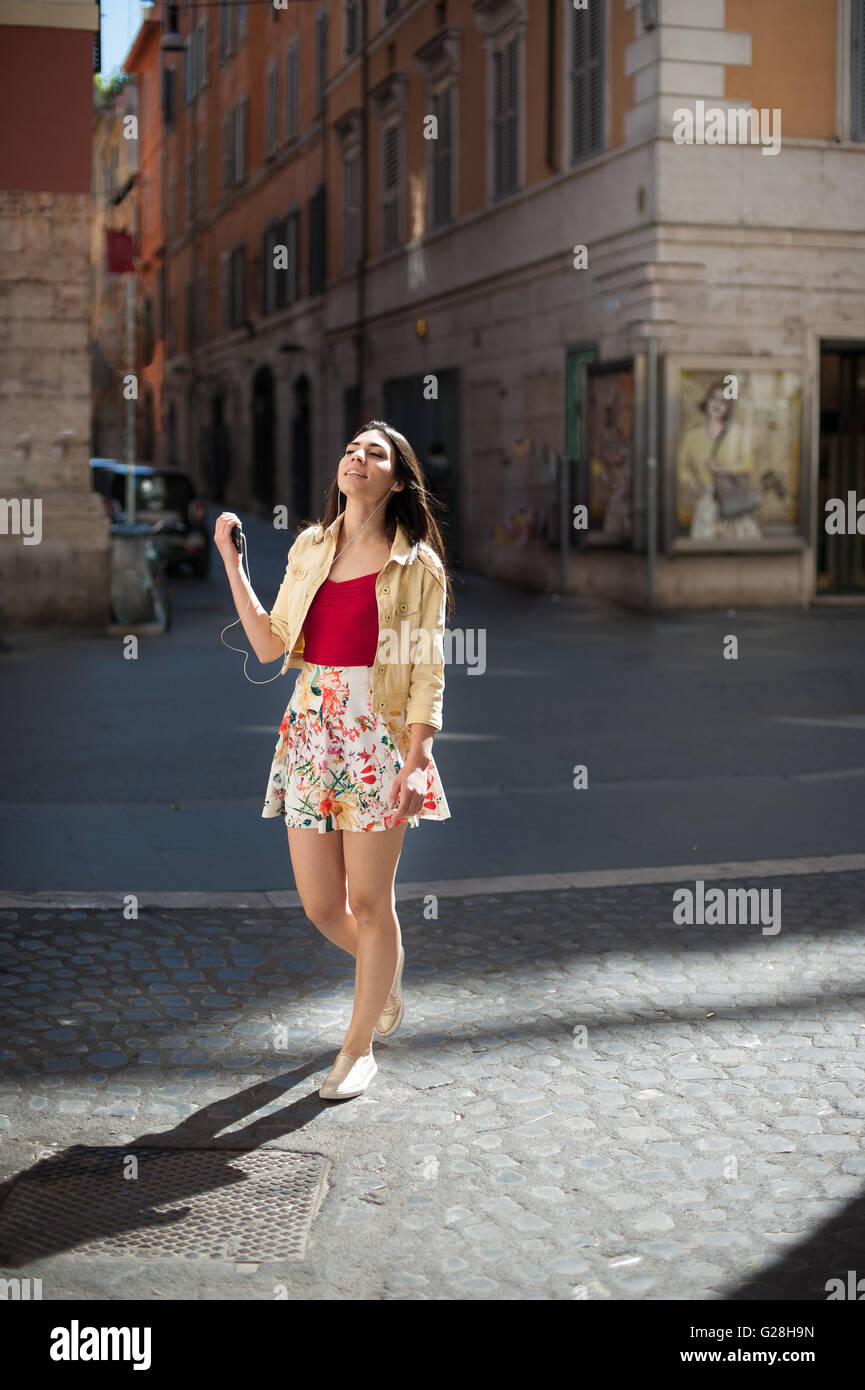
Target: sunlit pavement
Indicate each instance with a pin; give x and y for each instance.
(585, 1100)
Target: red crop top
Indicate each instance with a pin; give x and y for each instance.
(341, 626)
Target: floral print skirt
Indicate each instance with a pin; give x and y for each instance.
(335, 759)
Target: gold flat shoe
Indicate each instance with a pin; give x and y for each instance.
(349, 1076)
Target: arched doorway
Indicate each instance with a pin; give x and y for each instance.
(301, 450)
(263, 480)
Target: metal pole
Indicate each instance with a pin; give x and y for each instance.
(652, 470)
(130, 404)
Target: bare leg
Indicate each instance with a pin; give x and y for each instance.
(319, 874)
(371, 860)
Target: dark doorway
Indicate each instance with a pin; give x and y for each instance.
(301, 451)
(841, 558)
(263, 439)
(171, 435)
(432, 427)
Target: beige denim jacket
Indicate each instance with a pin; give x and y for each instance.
(408, 674)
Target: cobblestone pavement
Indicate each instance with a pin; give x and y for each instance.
(701, 1140)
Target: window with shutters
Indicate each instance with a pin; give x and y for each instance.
(391, 178)
(227, 151)
(272, 117)
(442, 156)
(320, 58)
(160, 301)
(275, 266)
(191, 53)
(351, 211)
(240, 128)
(187, 72)
(149, 337)
(587, 82)
(171, 325)
(291, 274)
(267, 243)
(240, 28)
(238, 286)
(190, 314)
(315, 253)
(292, 89)
(195, 52)
(189, 177)
(857, 76)
(201, 317)
(225, 290)
(172, 206)
(505, 61)
(225, 18)
(350, 26)
(204, 42)
(169, 102)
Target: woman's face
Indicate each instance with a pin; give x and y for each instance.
(366, 469)
(716, 406)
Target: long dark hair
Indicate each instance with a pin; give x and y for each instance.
(411, 506)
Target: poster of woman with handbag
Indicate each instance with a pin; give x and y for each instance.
(713, 464)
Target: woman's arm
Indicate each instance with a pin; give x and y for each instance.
(254, 618)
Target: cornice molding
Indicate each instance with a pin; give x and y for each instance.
(493, 17)
(390, 96)
(441, 56)
(349, 128)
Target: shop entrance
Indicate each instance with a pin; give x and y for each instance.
(841, 557)
(433, 429)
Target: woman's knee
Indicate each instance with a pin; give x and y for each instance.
(369, 909)
(325, 912)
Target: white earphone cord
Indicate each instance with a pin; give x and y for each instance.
(245, 556)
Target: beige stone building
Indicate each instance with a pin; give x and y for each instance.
(53, 531)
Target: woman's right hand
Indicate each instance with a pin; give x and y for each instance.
(231, 556)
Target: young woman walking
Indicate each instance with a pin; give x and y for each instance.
(361, 613)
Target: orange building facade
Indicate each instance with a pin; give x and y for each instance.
(607, 260)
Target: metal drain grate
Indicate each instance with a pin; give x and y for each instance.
(193, 1204)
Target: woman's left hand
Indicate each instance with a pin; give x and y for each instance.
(408, 790)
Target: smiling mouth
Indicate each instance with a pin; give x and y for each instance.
(355, 473)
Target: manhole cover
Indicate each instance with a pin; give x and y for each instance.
(194, 1204)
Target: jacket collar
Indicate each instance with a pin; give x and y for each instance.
(402, 549)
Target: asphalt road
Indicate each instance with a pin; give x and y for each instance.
(150, 774)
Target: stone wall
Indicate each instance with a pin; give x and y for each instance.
(60, 575)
